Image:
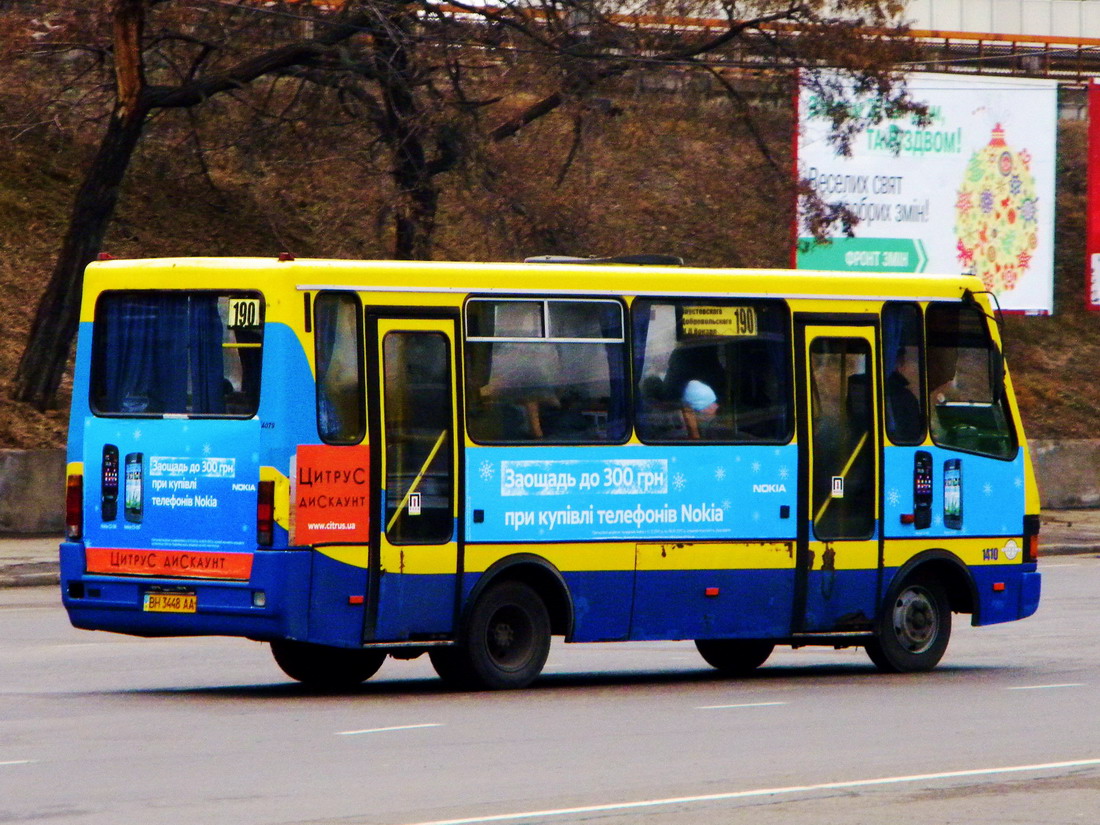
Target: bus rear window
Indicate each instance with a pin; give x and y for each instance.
(177, 353)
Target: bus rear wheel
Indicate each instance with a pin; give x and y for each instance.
(328, 668)
(506, 640)
(914, 628)
(734, 657)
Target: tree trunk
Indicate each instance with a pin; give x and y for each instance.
(58, 314)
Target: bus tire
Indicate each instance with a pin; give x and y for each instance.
(324, 667)
(913, 630)
(734, 657)
(506, 639)
(450, 665)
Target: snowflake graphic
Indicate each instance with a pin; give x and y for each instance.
(137, 435)
(784, 473)
(678, 481)
(987, 488)
(206, 449)
(719, 473)
(1018, 482)
(756, 516)
(937, 520)
(756, 466)
(894, 498)
(486, 470)
(726, 504)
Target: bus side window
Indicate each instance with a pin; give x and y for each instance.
(902, 359)
(966, 413)
(717, 371)
(545, 370)
(338, 350)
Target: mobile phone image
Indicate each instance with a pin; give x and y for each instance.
(134, 504)
(922, 489)
(952, 494)
(108, 483)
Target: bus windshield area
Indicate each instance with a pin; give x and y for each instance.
(967, 412)
(177, 353)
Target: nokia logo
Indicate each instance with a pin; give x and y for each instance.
(769, 488)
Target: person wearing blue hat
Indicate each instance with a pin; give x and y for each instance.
(698, 404)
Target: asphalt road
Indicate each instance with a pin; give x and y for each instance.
(97, 728)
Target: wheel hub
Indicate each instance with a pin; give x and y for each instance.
(503, 636)
(915, 622)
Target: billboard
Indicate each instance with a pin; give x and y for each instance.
(971, 191)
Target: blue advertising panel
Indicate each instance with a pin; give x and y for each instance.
(164, 483)
(629, 492)
(952, 494)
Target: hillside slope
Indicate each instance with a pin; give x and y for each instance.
(698, 199)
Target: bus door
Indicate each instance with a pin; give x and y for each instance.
(838, 557)
(415, 557)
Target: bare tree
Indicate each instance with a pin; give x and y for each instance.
(427, 78)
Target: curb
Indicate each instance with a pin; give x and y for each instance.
(1067, 550)
(30, 574)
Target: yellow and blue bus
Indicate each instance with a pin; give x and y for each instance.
(353, 460)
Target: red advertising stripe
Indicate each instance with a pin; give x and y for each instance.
(190, 564)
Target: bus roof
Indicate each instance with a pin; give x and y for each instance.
(458, 277)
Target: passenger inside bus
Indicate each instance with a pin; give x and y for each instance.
(903, 412)
(699, 405)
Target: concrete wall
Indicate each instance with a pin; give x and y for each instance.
(32, 483)
(32, 491)
(1068, 472)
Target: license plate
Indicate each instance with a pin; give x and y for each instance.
(170, 602)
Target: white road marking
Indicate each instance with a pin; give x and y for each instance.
(17, 762)
(384, 730)
(746, 705)
(792, 789)
(1046, 687)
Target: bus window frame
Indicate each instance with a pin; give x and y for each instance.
(220, 293)
(789, 399)
(361, 366)
(1000, 397)
(623, 341)
(922, 380)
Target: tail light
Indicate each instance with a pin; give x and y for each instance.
(265, 514)
(74, 507)
(1031, 539)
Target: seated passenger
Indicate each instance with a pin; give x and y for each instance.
(698, 406)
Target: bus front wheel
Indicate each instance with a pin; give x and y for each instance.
(913, 630)
(507, 638)
(734, 657)
(328, 668)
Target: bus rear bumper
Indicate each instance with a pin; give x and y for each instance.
(1006, 593)
(272, 604)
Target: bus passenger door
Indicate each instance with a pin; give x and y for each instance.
(414, 556)
(838, 557)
